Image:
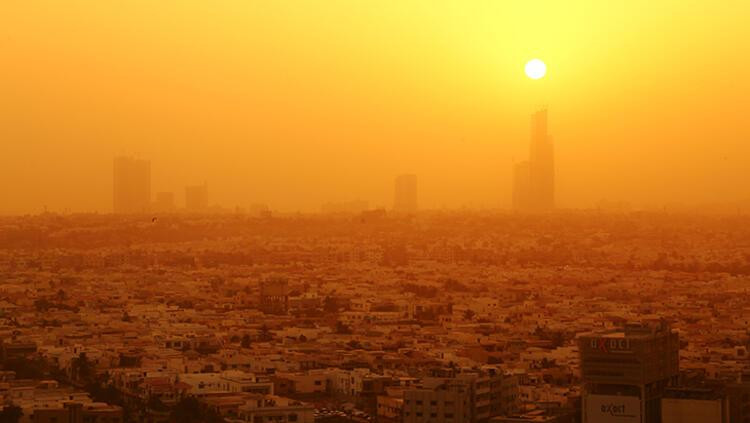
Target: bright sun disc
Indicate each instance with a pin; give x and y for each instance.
(535, 69)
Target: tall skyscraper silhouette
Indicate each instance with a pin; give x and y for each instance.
(405, 194)
(534, 180)
(131, 185)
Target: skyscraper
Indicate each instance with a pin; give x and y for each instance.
(131, 185)
(626, 372)
(405, 194)
(196, 198)
(534, 180)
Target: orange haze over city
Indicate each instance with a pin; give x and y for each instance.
(294, 104)
(374, 211)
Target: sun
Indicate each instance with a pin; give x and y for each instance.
(535, 69)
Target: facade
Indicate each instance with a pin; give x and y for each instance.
(626, 372)
(275, 409)
(447, 401)
(405, 194)
(739, 399)
(131, 185)
(390, 409)
(274, 296)
(196, 198)
(534, 180)
(471, 398)
(694, 405)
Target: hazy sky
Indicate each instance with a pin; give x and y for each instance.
(295, 103)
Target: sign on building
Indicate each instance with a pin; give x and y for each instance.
(612, 409)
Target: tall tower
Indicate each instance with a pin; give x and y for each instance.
(534, 179)
(405, 194)
(131, 185)
(541, 163)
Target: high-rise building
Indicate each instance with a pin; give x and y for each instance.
(626, 372)
(274, 296)
(534, 180)
(405, 194)
(196, 198)
(131, 185)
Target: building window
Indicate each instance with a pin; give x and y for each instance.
(419, 414)
(292, 418)
(433, 402)
(419, 402)
(448, 415)
(318, 383)
(433, 415)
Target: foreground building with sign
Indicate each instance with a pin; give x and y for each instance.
(626, 372)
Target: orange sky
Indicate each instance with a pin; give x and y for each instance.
(296, 103)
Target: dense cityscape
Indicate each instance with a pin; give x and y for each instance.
(335, 211)
(201, 314)
(433, 317)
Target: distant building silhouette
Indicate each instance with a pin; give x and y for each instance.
(405, 194)
(196, 198)
(131, 185)
(534, 180)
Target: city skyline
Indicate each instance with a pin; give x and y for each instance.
(411, 211)
(534, 179)
(269, 114)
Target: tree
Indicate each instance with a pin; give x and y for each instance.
(265, 334)
(11, 414)
(342, 329)
(82, 369)
(154, 403)
(189, 410)
(245, 341)
(330, 305)
(469, 314)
